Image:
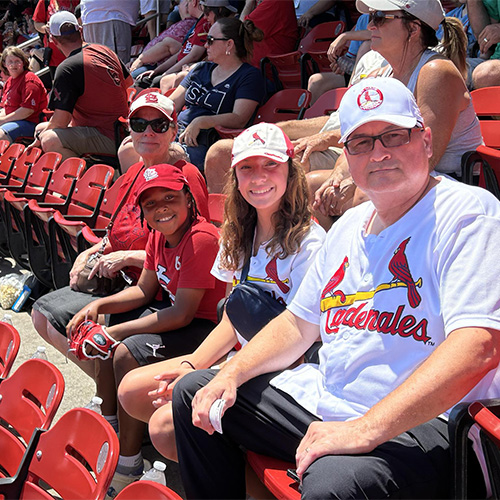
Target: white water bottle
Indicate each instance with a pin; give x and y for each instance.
(95, 405)
(40, 353)
(7, 318)
(156, 473)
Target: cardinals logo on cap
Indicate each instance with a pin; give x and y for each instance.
(151, 98)
(150, 174)
(370, 98)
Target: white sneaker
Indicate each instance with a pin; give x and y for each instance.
(120, 481)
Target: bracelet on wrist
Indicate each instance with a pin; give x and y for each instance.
(188, 363)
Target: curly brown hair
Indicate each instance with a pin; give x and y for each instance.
(291, 221)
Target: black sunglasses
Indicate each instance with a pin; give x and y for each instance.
(379, 17)
(159, 125)
(211, 39)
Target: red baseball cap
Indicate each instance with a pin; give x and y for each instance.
(163, 175)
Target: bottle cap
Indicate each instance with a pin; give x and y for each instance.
(41, 348)
(159, 465)
(97, 400)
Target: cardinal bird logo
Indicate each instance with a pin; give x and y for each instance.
(399, 268)
(272, 272)
(335, 280)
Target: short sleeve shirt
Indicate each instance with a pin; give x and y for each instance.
(25, 91)
(196, 37)
(188, 265)
(493, 8)
(203, 98)
(90, 84)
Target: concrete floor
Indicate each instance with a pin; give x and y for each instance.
(79, 387)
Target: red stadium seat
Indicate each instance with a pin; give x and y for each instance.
(147, 490)
(29, 399)
(9, 347)
(75, 459)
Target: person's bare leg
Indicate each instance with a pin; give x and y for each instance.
(315, 180)
(171, 81)
(133, 391)
(51, 142)
(131, 429)
(319, 83)
(161, 431)
(59, 341)
(217, 164)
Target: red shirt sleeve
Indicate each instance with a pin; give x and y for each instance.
(149, 263)
(40, 14)
(32, 95)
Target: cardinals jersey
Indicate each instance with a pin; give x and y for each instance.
(384, 302)
(279, 277)
(188, 265)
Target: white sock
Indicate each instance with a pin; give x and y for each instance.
(113, 420)
(130, 464)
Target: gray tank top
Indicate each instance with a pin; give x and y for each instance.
(466, 136)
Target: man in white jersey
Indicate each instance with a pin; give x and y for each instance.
(404, 294)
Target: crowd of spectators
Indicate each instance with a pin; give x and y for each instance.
(387, 163)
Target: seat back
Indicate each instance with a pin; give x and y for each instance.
(77, 458)
(283, 70)
(9, 347)
(147, 490)
(286, 104)
(22, 166)
(89, 190)
(488, 160)
(7, 160)
(4, 144)
(63, 180)
(486, 101)
(321, 36)
(41, 172)
(29, 398)
(326, 103)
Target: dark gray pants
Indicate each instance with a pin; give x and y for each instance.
(416, 464)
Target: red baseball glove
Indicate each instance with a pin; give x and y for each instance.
(90, 334)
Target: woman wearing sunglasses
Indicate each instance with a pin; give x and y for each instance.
(152, 121)
(224, 91)
(404, 33)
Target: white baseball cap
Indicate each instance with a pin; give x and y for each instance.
(263, 139)
(378, 100)
(59, 19)
(429, 11)
(157, 101)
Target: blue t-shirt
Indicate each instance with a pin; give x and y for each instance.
(461, 14)
(202, 98)
(361, 24)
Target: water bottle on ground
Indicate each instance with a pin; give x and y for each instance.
(7, 318)
(95, 405)
(156, 473)
(40, 353)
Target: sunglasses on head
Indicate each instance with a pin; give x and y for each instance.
(159, 125)
(211, 39)
(379, 17)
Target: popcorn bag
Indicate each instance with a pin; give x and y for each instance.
(11, 286)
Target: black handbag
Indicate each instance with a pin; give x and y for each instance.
(249, 307)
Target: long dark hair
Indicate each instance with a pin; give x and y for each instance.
(243, 34)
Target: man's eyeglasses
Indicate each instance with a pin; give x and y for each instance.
(390, 139)
(379, 17)
(160, 125)
(211, 39)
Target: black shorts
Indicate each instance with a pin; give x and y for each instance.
(148, 348)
